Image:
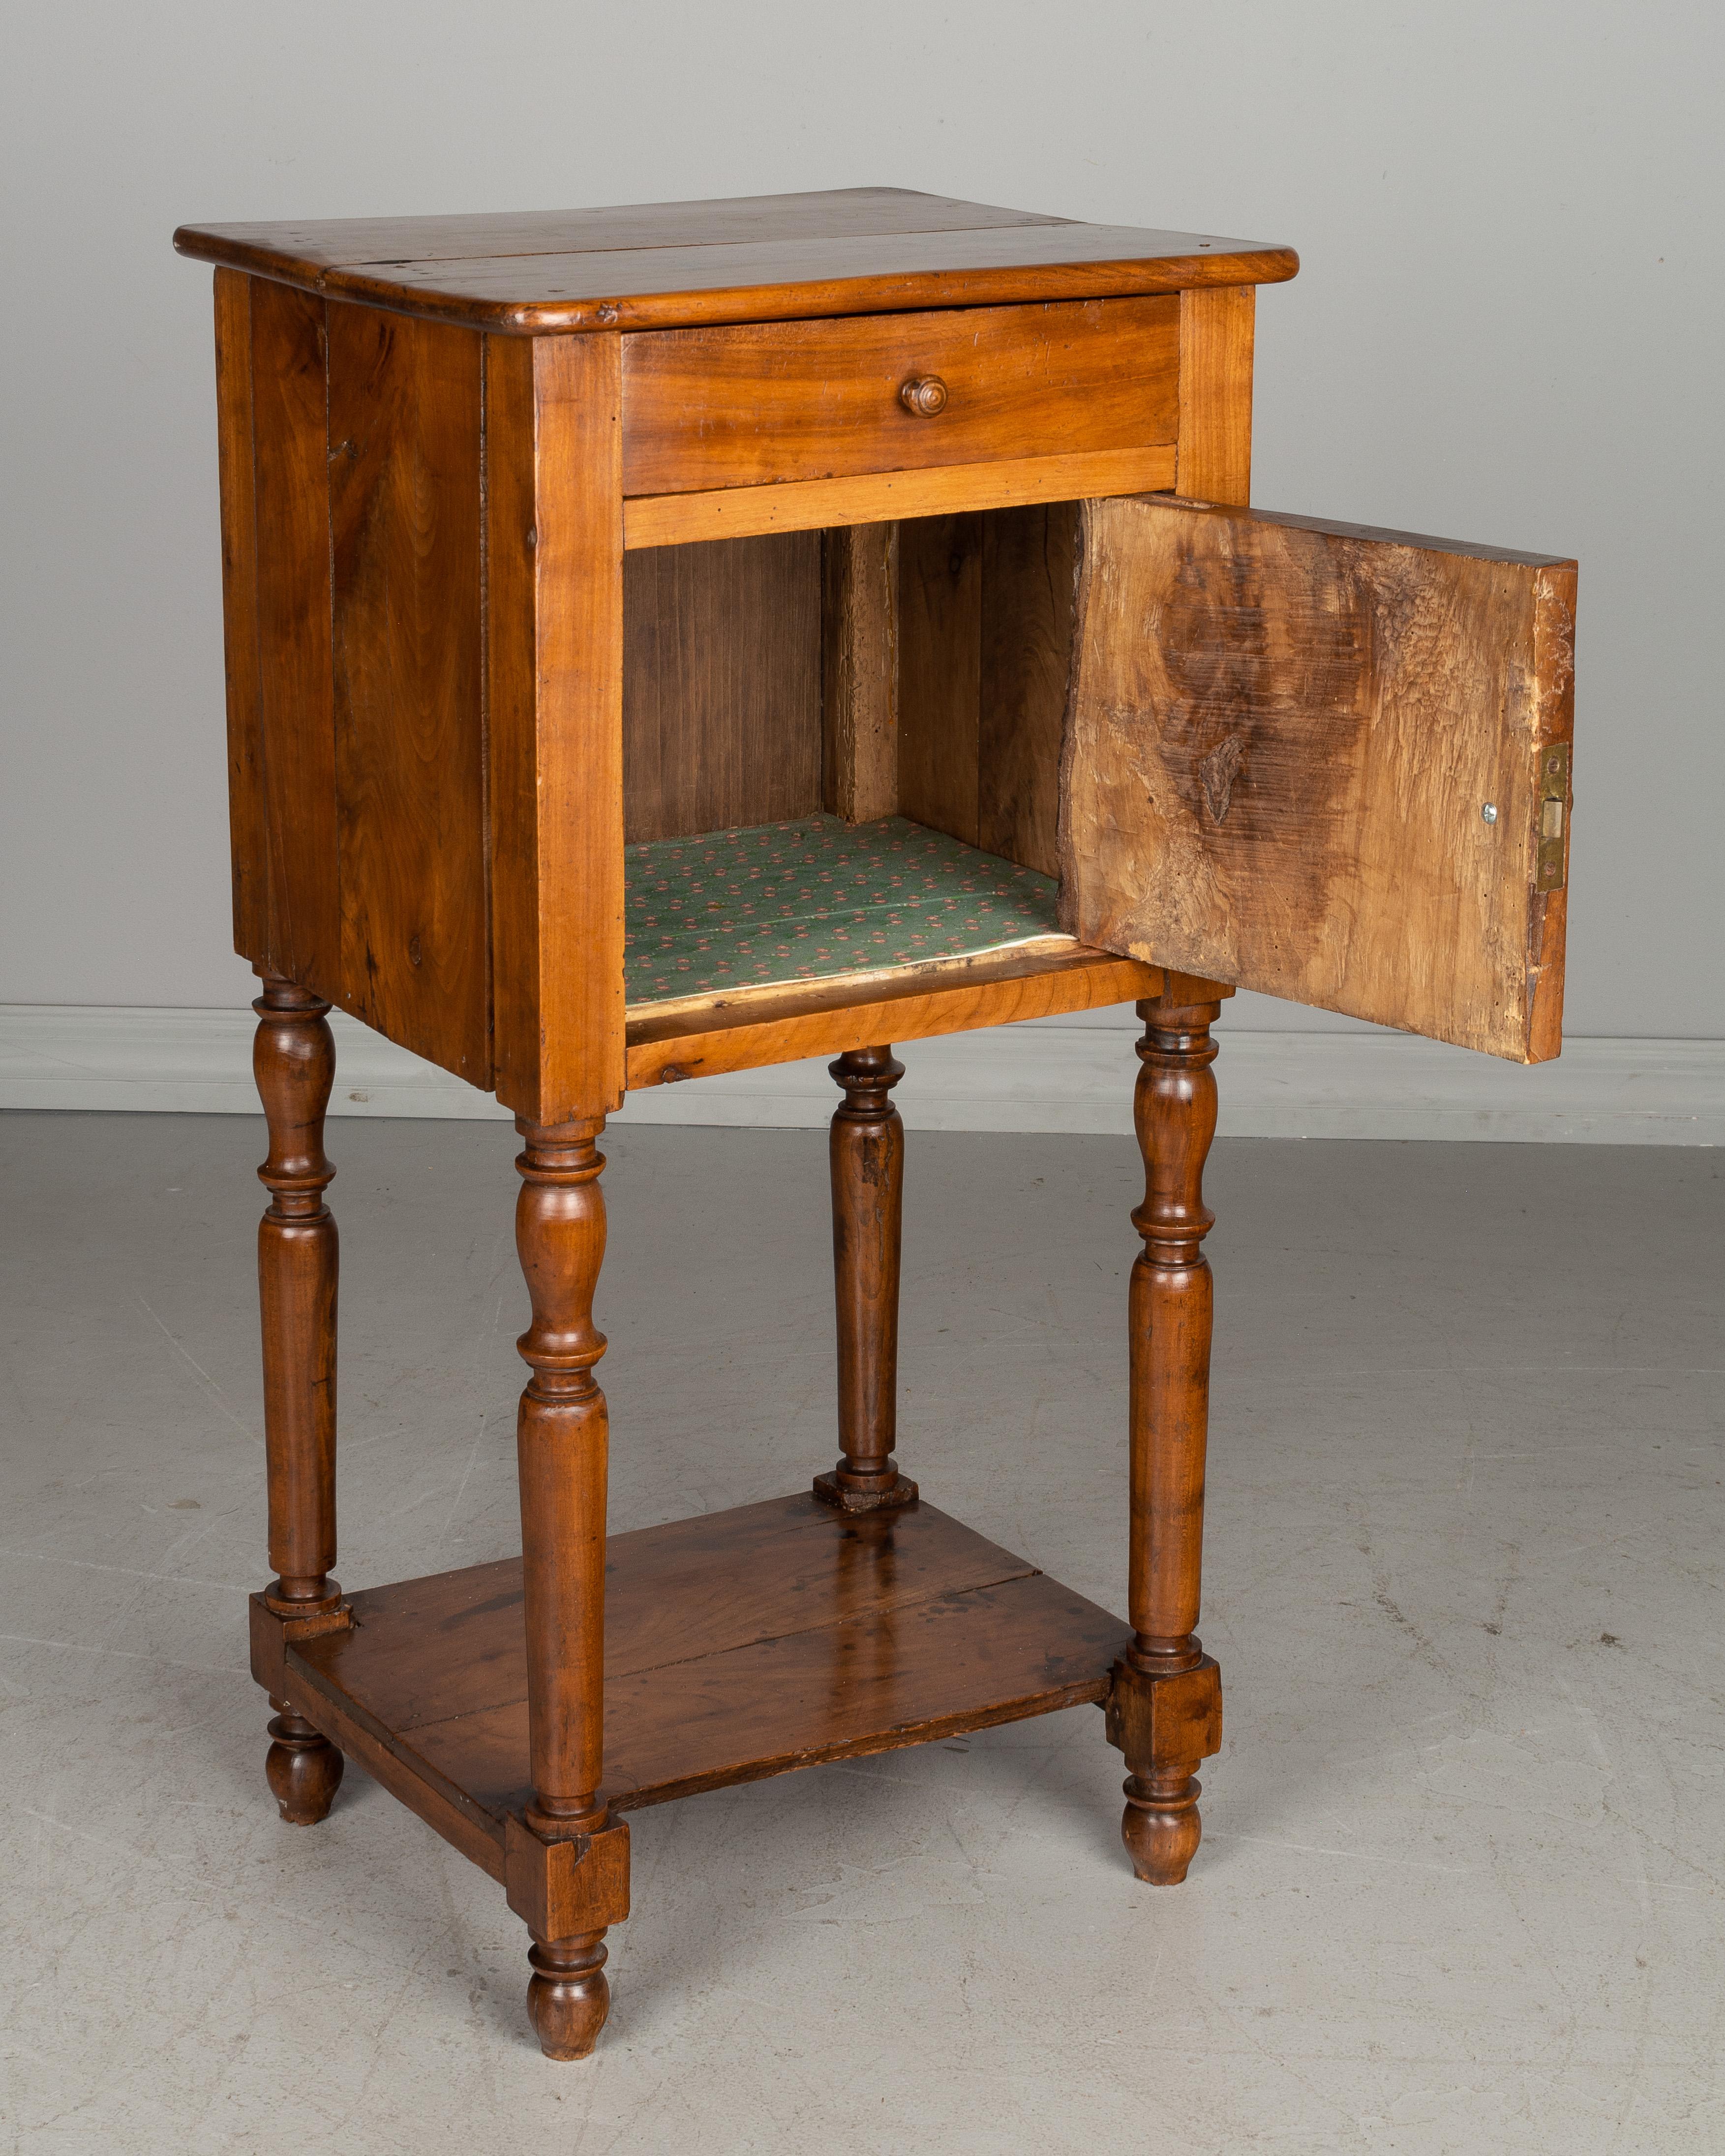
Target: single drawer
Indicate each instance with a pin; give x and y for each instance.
(783, 401)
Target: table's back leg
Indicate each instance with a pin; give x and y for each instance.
(562, 1437)
(867, 1156)
(293, 1060)
(1165, 1712)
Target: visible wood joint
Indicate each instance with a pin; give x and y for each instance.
(1164, 1724)
(274, 1630)
(1186, 989)
(566, 1888)
(901, 1491)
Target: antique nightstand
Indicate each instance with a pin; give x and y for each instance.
(666, 640)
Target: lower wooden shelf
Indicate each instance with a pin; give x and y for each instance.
(738, 1645)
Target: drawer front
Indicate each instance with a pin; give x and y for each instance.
(785, 401)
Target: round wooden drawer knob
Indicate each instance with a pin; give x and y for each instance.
(925, 396)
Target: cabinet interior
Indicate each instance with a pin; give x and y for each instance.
(889, 701)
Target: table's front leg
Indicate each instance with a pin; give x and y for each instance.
(1165, 1712)
(294, 1062)
(567, 1865)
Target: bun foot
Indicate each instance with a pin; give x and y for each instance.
(304, 1769)
(568, 1998)
(1160, 1826)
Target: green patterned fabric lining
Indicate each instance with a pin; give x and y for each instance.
(793, 901)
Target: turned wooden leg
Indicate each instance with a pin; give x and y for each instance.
(867, 1155)
(568, 1997)
(294, 1060)
(1165, 1712)
(562, 1441)
(303, 1768)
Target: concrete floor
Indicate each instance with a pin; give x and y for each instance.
(1461, 1882)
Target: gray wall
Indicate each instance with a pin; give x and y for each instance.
(1506, 328)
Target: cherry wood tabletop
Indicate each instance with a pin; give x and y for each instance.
(752, 258)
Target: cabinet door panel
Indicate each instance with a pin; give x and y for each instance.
(1283, 739)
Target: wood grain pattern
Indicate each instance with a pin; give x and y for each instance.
(676, 520)
(350, 241)
(248, 808)
(817, 1634)
(554, 586)
(940, 652)
(860, 672)
(957, 1662)
(722, 685)
(576, 1885)
(1282, 783)
(1029, 560)
(404, 416)
(825, 267)
(770, 403)
(744, 1033)
(1215, 436)
(450, 1644)
(296, 685)
(703, 287)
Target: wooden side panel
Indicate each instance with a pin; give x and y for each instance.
(860, 672)
(722, 685)
(295, 685)
(404, 510)
(1214, 447)
(1028, 564)
(985, 604)
(1282, 737)
(940, 585)
(247, 821)
(554, 663)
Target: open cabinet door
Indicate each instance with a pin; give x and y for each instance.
(1324, 762)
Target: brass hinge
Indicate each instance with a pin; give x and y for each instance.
(1553, 815)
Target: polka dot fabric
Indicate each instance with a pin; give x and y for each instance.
(795, 902)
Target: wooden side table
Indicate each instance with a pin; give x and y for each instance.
(667, 640)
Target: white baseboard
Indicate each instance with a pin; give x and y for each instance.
(1056, 1075)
